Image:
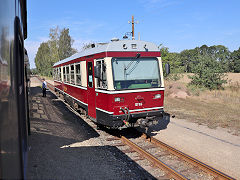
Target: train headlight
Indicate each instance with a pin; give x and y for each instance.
(157, 96)
(118, 99)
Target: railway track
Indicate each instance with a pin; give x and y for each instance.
(177, 164)
(174, 163)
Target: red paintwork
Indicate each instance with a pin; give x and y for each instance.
(78, 93)
(106, 101)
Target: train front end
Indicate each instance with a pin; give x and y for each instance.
(135, 94)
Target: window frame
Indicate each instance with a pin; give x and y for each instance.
(59, 73)
(54, 73)
(113, 74)
(64, 74)
(67, 71)
(78, 74)
(99, 81)
(71, 73)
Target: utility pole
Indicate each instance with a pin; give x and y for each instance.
(133, 22)
(132, 27)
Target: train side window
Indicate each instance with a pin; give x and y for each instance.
(67, 74)
(64, 74)
(72, 74)
(59, 74)
(102, 81)
(78, 74)
(54, 73)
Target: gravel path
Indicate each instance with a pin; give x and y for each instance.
(64, 146)
(215, 147)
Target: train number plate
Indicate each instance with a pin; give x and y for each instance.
(138, 104)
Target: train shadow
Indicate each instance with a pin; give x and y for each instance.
(130, 132)
(154, 130)
(55, 157)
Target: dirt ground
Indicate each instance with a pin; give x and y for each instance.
(217, 108)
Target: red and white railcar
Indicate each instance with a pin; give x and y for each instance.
(118, 83)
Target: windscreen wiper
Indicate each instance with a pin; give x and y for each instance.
(132, 69)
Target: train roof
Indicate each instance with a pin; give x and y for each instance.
(114, 46)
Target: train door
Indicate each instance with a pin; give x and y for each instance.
(91, 95)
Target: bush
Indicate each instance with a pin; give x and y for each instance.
(195, 90)
(174, 76)
(208, 73)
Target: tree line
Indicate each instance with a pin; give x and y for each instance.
(58, 47)
(208, 63)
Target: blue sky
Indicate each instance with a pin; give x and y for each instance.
(177, 24)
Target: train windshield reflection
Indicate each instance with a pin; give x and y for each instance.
(132, 73)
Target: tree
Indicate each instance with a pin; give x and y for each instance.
(173, 59)
(164, 50)
(188, 58)
(235, 61)
(5, 44)
(208, 73)
(52, 51)
(53, 44)
(175, 62)
(34, 71)
(65, 49)
(42, 59)
(220, 53)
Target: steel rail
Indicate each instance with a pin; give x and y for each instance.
(154, 160)
(217, 174)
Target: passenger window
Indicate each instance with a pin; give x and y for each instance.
(64, 74)
(67, 74)
(59, 74)
(54, 73)
(78, 74)
(102, 81)
(72, 74)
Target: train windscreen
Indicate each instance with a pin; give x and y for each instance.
(135, 73)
